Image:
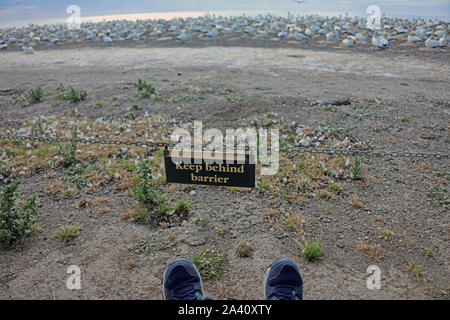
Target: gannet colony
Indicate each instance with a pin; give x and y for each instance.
(347, 31)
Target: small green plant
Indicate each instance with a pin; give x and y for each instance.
(68, 151)
(145, 89)
(143, 191)
(284, 195)
(74, 95)
(428, 252)
(2, 168)
(35, 95)
(263, 185)
(334, 186)
(68, 232)
(405, 118)
(313, 251)
(163, 211)
(98, 105)
(152, 205)
(30, 97)
(209, 263)
(439, 195)
(15, 221)
(244, 249)
(355, 170)
(201, 221)
(235, 97)
(222, 231)
(182, 206)
(415, 269)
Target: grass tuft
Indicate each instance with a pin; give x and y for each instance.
(210, 263)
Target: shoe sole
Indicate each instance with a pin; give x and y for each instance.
(172, 262)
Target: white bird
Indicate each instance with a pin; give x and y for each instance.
(412, 38)
(211, 34)
(91, 36)
(308, 32)
(443, 41)
(361, 36)
(27, 50)
(384, 40)
(262, 34)
(331, 36)
(349, 42)
(184, 36)
(300, 36)
(431, 42)
(3, 46)
(108, 40)
(376, 40)
(282, 35)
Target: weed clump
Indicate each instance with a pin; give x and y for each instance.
(209, 263)
(313, 251)
(73, 95)
(15, 221)
(68, 151)
(244, 249)
(355, 170)
(68, 232)
(146, 90)
(439, 196)
(152, 206)
(30, 97)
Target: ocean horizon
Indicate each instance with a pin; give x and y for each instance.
(62, 18)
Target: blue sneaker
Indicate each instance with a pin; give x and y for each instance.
(283, 281)
(182, 281)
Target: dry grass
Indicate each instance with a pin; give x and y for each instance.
(126, 183)
(68, 232)
(271, 214)
(36, 228)
(415, 269)
(130, 263)
(222, 290)
(356, 203)
(293, 222)
(61, 189)
(244, 249)
(374, 252)
(104, 210)
(386, 234)
(127, 214)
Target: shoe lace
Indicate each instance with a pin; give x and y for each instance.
(187, 293)
(285, 293)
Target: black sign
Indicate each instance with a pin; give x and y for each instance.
(193, 171)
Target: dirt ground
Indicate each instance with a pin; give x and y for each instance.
(298, 82)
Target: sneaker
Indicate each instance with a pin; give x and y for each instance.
(182, 281)
(283, 281)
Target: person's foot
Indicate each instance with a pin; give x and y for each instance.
(182, 281)
(283, 281)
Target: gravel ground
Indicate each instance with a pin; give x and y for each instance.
(314, 85)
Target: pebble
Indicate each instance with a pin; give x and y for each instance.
(304, 142)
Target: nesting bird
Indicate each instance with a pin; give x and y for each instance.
(27, 50)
